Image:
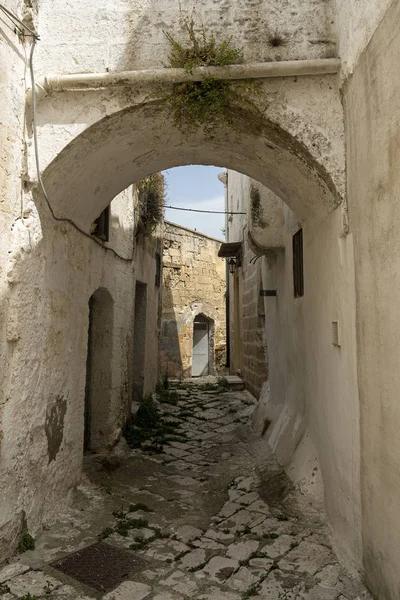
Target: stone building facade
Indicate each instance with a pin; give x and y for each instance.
(249, 357)
(194, 284)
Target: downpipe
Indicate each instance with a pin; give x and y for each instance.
(93, 81)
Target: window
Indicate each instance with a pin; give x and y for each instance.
(101, 226)
(298, 273)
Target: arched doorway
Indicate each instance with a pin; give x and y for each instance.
(98, 370)
(203, 347)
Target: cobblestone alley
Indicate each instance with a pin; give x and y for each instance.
(204, 515)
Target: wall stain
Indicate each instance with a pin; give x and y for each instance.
(54, 426)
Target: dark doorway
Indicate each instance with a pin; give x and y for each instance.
(86, 435)
(98, 370)
(139, 341)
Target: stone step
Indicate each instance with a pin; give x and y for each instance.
(236, 383)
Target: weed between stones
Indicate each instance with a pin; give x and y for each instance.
(140, 506)
(252, 591)
(150, 430)
(124, 525)
(27, 543)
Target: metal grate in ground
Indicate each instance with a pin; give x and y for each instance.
(100, 566)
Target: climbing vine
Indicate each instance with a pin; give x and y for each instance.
(151, 198)
(255, 206)
(209, 102)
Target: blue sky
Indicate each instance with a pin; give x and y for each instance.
(196, 187)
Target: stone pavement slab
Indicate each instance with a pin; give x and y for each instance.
(129, 590)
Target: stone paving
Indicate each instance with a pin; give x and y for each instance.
(213, 517)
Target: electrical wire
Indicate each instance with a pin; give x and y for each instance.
(210, 212)
(20, 25)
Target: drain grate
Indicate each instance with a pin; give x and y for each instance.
(100, 566)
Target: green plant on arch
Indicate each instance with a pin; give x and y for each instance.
(151, 198)
(210, 102)
(256, 212)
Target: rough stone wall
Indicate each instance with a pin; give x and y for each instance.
(247, 339)
(194, 282)
(53, 271)
(255, 367)
(12, 223)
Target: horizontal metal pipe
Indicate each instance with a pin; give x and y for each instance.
(92, 81)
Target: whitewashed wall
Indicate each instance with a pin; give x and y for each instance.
(311, 395)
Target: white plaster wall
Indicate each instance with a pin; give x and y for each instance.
(53, 271)
(122, 220)
(356, 23)
(237, 196)
(12, 218)
(101, 35)
(372, 102)
(312, 395)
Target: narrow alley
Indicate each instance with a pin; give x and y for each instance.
(195, 511)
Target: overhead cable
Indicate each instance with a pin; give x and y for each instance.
(212, 212)
(20, 25)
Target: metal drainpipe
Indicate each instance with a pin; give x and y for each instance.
(90, 81)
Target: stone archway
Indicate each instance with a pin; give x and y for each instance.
(141, 139)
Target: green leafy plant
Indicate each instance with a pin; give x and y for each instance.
(140, 543)
(27, 543)
(4, 589)
(151, 199)
(151, 429)
(255, 204)
(29, 597)
(148, 414)
(124, 525)
(210, 102)
(106, 532)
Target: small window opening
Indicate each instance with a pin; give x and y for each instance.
(101, 226)
(298, 271)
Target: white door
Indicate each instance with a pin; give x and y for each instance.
(200, 350)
